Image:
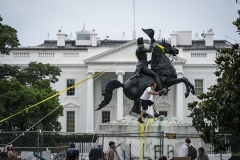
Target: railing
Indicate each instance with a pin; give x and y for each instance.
(129, 145)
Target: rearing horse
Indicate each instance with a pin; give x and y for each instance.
(133, 88)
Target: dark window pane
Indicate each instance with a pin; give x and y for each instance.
(105, 116)
(83, 36)
(70, 82)
(70, 121)
(163, 113)
(198, 86)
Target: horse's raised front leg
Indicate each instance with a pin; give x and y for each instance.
(172, 81)
(191, 86)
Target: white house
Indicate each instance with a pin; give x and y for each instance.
(87, 55)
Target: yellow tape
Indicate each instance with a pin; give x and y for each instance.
(161, 47)
(26, 109)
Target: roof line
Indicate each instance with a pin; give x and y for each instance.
(109, 51)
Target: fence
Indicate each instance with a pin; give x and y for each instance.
(129, 146)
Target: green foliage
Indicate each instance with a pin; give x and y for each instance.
(237, 23)
(8, 38)
(53, 139)
(50, 139)
(24, 87)
(218, 111)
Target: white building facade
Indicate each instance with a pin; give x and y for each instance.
(87, 55)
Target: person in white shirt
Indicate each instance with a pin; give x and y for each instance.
(185, 147)
(145, 102)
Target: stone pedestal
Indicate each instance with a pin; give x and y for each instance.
(129, 124)
(144, 141)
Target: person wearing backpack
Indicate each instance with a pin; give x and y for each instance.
(189, 150)
(72, 153)
(202, 154)
(96, 153)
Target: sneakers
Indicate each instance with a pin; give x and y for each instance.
(140, 120)
(156, 115)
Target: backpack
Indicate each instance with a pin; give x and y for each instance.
(106, 154)
(3, 154)
(192, 152)
(71, 153)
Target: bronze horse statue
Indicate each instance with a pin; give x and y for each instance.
(134, 87)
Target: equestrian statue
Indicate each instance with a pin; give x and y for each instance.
(162, 72)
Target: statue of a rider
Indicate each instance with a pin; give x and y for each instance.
(142, 66)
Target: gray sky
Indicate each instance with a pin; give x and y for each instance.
(34, 19)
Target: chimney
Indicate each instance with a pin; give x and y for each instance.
(61, 37)
(209, 38)
(94, 38)
(173, 39)
(134, 35)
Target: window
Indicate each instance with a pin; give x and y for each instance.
(46, 55)
(105, 116)
(199, 55)
(83, 36)
(163, 113)
(70, 82)
(70, 121)
(104, 83)
(21, 55)
(198, 86)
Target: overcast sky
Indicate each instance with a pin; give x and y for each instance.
(34, 19)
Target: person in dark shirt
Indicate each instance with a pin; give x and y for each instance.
(96, 153)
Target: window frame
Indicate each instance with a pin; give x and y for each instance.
(74, 123)
(109, 115)
(81, 35)
(164, 113)
(198, 87)
(74, 95)
(108, 108)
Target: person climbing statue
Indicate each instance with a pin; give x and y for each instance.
(145, 102)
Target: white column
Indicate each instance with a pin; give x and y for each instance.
(179, 98)
(120, 96)
(90, 104)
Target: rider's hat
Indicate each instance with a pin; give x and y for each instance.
(149, 32)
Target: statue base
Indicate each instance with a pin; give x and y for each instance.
(129, 124)
(147, 140)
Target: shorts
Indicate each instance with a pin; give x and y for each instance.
(145, 103)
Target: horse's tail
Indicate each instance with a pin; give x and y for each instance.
(113, 84)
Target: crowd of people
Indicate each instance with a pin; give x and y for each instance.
(188, 151)
(97, 154)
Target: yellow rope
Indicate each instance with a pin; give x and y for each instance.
(26, 109)
(161, 47)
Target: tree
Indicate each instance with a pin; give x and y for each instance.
(24, 87)
(8, 38)
(218, 112)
